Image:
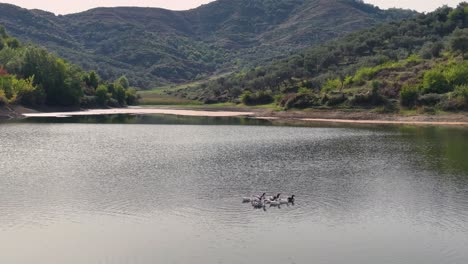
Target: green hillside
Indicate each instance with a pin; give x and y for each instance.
(415, 62)
(33, 77)
(155, 46)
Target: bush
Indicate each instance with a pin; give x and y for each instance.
(461, 92)
(334, 100)
(457, 74)
(257, 98)
(435, 82)
(113, 103)
(332, 85)
(409, 95)
(430, 99)
(299, 101)
(3, 99)
(452, 104)
(89, 101)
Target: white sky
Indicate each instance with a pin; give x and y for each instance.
(73, 6)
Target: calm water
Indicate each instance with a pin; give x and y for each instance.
(168, 190)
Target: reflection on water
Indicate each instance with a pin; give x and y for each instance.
(167, 189)
(150, 119)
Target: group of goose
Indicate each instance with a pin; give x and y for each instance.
(260, 201)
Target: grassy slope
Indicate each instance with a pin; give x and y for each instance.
(379, 57)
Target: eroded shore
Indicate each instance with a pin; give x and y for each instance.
(318, 116)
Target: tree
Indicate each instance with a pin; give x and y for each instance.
(102, 95)
(459, 41)
(61, 81)
(92, 80)
(119, 94)
(123, 81)
(131, 95)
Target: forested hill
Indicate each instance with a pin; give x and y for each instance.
(415, 62)
(153, 46)
(33, 77)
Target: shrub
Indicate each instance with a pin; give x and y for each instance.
(332, 85)
(430, 99)
(27, 93)
(409, 95)
(89, 101)
(113, 103)
(452, 104)
(435, 82)
(299, 101)
(461, 91)
(457, 74)
(3, 99)
(258, 98)
(334, 100)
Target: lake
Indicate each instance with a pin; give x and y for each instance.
(168, 189)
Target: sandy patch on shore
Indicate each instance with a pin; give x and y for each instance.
(141, 111)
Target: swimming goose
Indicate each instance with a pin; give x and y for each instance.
(274, 198)
(291, 199)
(275, 203)
(254, 197)
(258, 203)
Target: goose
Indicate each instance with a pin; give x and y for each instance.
(258, 203)
(275, 203)
(255, 197)
(291, 199)
(274, 198)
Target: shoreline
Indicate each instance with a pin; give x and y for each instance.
(313, 116)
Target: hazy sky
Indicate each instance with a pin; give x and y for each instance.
(73, 6)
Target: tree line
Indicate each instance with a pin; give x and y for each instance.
(34, 77)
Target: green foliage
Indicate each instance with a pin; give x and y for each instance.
(332, 85)
(154, 47)
(299, 101)
(432, 50)
(430, 99)
(3, 99)
(119, 94)
(459, 40)
(22, 91)
(435, 82)
(32, 76)
(461, 92)
(457, 74)
(91, 79)
(102, 95)
(3, 33)
(132, 97)
(409, 95)
(60, 81)
(123, 81)
(258, 98)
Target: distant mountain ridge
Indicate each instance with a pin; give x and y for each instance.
(153, 46)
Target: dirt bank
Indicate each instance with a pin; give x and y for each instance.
(333, 116)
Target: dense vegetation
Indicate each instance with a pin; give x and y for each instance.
(154, 46)
(34, 77)
(414, 62)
